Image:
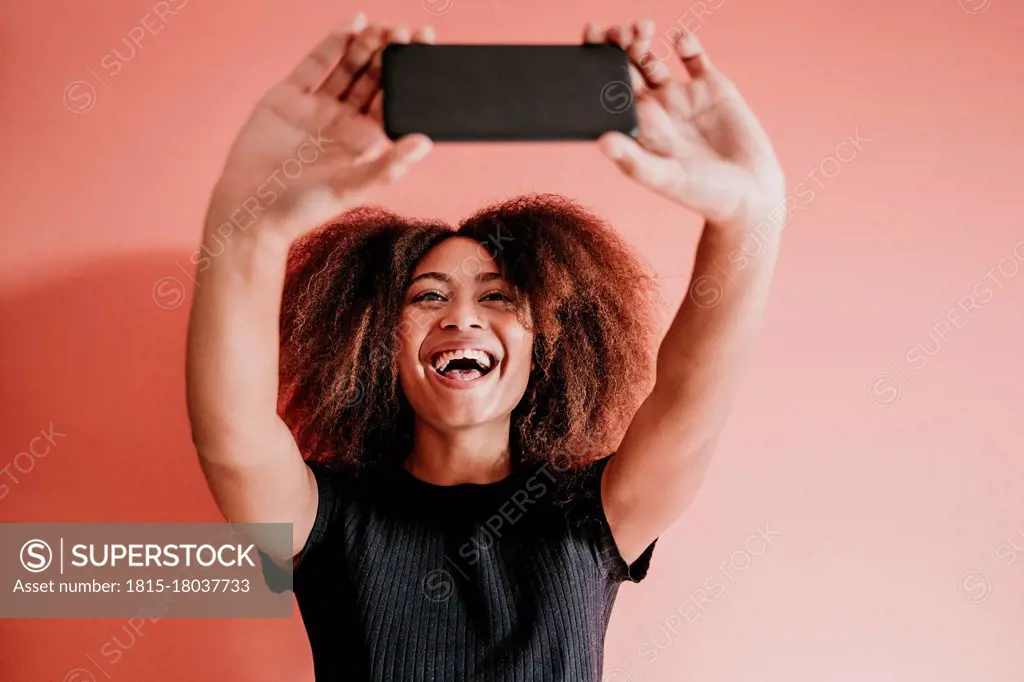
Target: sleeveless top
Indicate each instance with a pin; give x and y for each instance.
(511, 581)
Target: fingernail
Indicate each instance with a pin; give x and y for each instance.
(420, 150)
(359, 21)
(613, 146)
(687, 40)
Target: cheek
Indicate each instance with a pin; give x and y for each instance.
(520, 346)
(405, 342)
(412, 329)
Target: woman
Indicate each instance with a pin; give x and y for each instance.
(456, 393)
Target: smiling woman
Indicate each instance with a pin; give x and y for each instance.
(465, 425)
(451, 399)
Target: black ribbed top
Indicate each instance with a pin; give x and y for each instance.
(511, 581)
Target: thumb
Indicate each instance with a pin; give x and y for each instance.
(393, 163)
(617, 146)
(650, 170)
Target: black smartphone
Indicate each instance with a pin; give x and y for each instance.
(506, 92)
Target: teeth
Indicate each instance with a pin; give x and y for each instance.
(442, 360)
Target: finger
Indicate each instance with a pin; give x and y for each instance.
(376, 108)
(626, 38)
(424, 34)
(674, 98)
(592, 33)
(636, 81)
(691, 52)
(392, 164)
(406, 151)
(645, 70)
(620, 35)
(655, 73)
(400, 34)
(309, 73)
(367, 85)
(643, 33)
(656, 131)
(650, 170)
(354, 62)
(357, 63)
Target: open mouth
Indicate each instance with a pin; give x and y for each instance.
(463, 365)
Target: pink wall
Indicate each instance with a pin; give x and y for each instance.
(877, 438)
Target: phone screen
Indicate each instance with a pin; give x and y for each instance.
(506, 92)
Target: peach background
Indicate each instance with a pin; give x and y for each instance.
(894, 485)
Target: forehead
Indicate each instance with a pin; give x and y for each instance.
(458, 257)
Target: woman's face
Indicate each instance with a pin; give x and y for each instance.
(464, 358)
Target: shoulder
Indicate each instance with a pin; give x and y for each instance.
(580, 495)
(343, 487)
(346, 498)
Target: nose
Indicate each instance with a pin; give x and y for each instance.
(462, 314)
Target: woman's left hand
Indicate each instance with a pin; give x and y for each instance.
(699, 143)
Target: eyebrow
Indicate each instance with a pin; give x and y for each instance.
(447, 279)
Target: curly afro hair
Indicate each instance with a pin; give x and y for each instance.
(591, 301)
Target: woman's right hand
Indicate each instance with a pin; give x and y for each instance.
(315, 142)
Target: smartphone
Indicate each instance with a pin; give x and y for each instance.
(466, 92)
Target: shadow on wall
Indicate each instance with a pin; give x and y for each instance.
(95, 429)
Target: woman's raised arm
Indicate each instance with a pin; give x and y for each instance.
(310, 149)
(700, 145)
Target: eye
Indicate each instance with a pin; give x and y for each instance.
(497, 296)
(426, 296)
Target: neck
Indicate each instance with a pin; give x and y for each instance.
(477, 454)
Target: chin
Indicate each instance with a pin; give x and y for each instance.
(456, 420)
